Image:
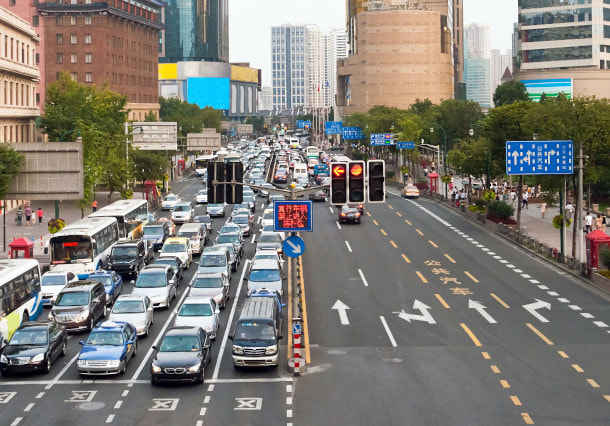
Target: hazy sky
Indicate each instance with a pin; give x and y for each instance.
(250, 23)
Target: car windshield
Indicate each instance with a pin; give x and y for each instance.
(203, 192)
(227, 238)
(171, 198)
(171, 262)
(205, 219)
(241, 206)
(128, 307)
(29, 336)
(251, 330)
(195, 310)
(187, 234)
(262, 275)
(262, 255)
(208, 282)
(174, 248)
(240, 219)
(248, 199)
(346, 209)
(179, 344)
(124, 252)
(213, 260)
(76, 298)
(151, 279)
(53, 280)
(153, 231)
(269, 238)
(106, 280)
(215, 206)
(268, 215)
(268, 228)
(180, 208)
(105, 338)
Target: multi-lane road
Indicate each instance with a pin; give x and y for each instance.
(416, 316)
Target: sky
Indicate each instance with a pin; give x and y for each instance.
(250, 23)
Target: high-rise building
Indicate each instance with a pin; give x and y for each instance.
(195, 31)
(478, 40)
(477, 60)
(499, 63)
(265, 100)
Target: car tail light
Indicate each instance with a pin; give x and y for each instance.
(342, 214)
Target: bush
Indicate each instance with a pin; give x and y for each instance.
(558, 222)
(604, 258)
(497, 219)
(56, 225)
(389, 174)
(476, 209)
(501, 209)
(479, 202)
(421, 184)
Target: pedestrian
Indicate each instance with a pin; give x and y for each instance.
(94, 205)
(513, 196)
(542, 208)
(588, 223)
(19, 215)
(604, 223)
(463, 197)
(525, 197)
(28, 215)
(598, 221)
(40, 215)
(569, 210)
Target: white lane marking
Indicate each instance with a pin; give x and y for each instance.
(491, 253)
(480, 245)
(118, 404)
(289, 388)
(206, 400)
(144, 361)
(497, 257)
(563, 300)
(288, 400)
(262, 206)
(262, 380)
(485, 249)
(288, 413)
(526, 276)
(535, 281)
(587, 315)
(125, 392)
(253, 238)
(510, 265)
(503, 261)
(338, 226)
(202, 411)
(29, 406)
(519, 271)
(16, 421)
(575, 307)
(131, 382)
(387, 330)
(199, 423)
(40, 395)
(600, 324)
(229, 322)
(348, 246)
(110, 418)
(543, 287)
(552, 293)
(211, 388)
(366, 284)
(61, 373)
(331, 210)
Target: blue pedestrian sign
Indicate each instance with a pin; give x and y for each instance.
(539, 157)
(293, 246)
(405, 145)
(382, 139)
(352, 133)
(333, 127)
(296, 328)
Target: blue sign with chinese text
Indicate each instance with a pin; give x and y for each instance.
(405, 145)
(333, 127)
(382, 139)
(352, 133)
(302, 124)
(539, 157)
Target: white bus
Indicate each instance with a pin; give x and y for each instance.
(312, 152)
(83, 246)
(202, 161)
(20, 295)
(233, 157)
(131, 216)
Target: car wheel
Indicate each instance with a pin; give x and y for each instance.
(64, 349)
(146, 331)
(48, 365)
(104, 312)
(153, 382)
(91, 324)
(123, 369)
(135, 349)
(200, 377)
(167, 302)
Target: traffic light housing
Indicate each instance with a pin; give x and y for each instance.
(234, 192)
(338, 183)
(216, 191)
(356, 181)
(376, 181)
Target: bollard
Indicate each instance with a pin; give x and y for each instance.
(296, 339)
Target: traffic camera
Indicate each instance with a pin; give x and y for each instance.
(376, 181)
(338, 183)
(356, 182)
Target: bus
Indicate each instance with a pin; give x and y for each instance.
(233, 157)
(312, 152)
(131, 216)
(20, 295)
(202, 161)
(83, 246)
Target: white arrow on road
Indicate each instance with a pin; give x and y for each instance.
(538, 304)
(477, 306)
(295, 247)
(424, 316)
(342, 309)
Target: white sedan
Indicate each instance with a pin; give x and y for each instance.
(202, 196)
(170, 201)
(199, 311)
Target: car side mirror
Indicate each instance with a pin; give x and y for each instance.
(279, 337)
(230, 337)
(171, 281)
(155, 347)
(82, 342)
(46, 250)
(283, 305)
(132, 282)
(217, 311)
(206, 346)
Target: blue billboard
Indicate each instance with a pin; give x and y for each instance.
(214, 92)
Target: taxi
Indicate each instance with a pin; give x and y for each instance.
(179, 247)
(110, 345)
(410, 191)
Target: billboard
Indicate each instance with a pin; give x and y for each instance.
(207, 140)
(244, 74)
(550, 87)
(214, 92)
(168, 71)
(153, 136)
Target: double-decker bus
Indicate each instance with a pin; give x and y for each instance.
(202, 161)
(20, 295)
(83, 246)
(131, 216)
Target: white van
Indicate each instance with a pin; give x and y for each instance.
(300, 171)
(196, 234)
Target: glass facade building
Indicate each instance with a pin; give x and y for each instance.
(195, 30)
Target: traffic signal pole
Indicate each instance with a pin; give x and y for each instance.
(296, 311)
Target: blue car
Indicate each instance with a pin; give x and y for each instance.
(108, 348)
(113, 283)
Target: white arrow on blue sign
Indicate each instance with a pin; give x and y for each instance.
(539, 157)
(405, 145)
(296, 328)
(293, 246)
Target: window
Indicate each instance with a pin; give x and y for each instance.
(87, 38)
(73, 20)
(73, 39)
(59, 20)
(87, 20)
(59, 38)
(37, 59)
(35, 20)
(11, 2)
(74, 76)
(59, 58)
(88, 58)
(88, 77)
(73, 58)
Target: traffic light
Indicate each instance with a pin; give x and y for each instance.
(234, 193)
(356, 182)
(338, 183)
(216, 191)
(376, 179)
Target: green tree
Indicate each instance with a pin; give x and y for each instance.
(212, 118)
(10, 161)
(149, 165)
(469, 158)
(510, 92)
(188, 116)
(455, 117)
(150, 117)
(258, 123)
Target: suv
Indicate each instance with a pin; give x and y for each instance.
(128, 257)
(79, 305)
(197, 235)
(156, 233)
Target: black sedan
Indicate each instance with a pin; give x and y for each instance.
(33, 347)
(319, 195)
(349, 214)
(182, 356)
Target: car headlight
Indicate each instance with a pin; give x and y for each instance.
(218, 298)
(37, 359)
(194, 368)
(81, 363)
(140, 324)
(51, 317)
(114, 363)
(271, 350)
(83, 315)
(131, 266)
(238, 350)
(3, 359)
(155, 368)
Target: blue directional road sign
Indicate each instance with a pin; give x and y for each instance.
(294, 246)
(333, 127)
(382, 139)
(296, 328)
(301, 124)
(293, 216)
(352, 133)
(539, 157)
(405, 145)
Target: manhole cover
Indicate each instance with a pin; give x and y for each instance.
(88, 406)
(336, 352)
(386, 350)
(393, 360)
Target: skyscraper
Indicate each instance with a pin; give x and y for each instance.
(499, 63)
(477, 59)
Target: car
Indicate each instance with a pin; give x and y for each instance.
(196, 234)
(158, 283)
(199, 311)
(171, 225)
(180, 247)
(360, 207)
(349, 214)
(206, 220)
(202, 196)
(269, 241)
(216, 210)
(52, 282)
(318, 195)
(280, 176)
(136, 309)
(177, 266)
(229, 228)
(265, 274)
(249, 200)
(128, 257)
(275, 197)
(216, 286)
(34, 346)
(267, 185)
(245, 222)
(303, 181)
(182, 356)
(216, 259)
(169, 201)
(269, 254)
(155, 233)
(108, 349)
(234, 238)
(79, 305)
(409, 191)
(113, 283)
(182, 212)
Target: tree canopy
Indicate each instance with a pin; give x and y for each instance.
(510, 92)
(10, 161)
(190, 118)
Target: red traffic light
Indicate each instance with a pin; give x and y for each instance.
(338, 170)
(356, 169)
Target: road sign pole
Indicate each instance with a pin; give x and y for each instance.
(296, 339)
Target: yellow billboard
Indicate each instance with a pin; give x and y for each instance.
(244, 74)
(168, 71)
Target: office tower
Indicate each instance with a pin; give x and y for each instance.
(477, 60)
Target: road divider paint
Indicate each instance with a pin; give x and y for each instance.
(331, 210)
(527, 419)
(387, 330)
(366, 284)
(578, 368)
(399, 214)
(593, 383)
(516, 401)
(563, 354)
(375, 222)
(338, 226)
(383, 232)
(450, 258)
(419, 232)
(486, 355)
(495, 369)
(469, 275)
(348, 246)
(421, 277)
(393, 244)
(539, 334)
(405, 258)
(500, 301)
(391, 208)
(505, 384)
(440, 299)
(432, 244)
(470, 334)
(368, 214)
(408, 223)
(304, 311)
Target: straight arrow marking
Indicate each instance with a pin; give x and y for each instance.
(538, 304)
(481, 310)
(342, 309)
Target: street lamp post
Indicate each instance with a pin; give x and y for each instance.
(488, 155)
(444, 150)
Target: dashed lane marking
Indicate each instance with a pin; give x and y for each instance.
(408, 223)
(110, 418)
(366, 284)
(539, 334)
(419, 232)
(505, 383)
(495, 369)
(348, 246)
(393, 244)
(383, 232)
(375, 222)
(405, 258)
(563, 354)
(338, 226)
(527, 419)
(593, 383)
(440, 299)
(470, 334)
(578, 368)
(421, 277)
(398, 213)
(450, 258)
(387, 330)
(515, 400)
(500, 301)
(469, 275)
(391, 208)
(29, 406)
(485, 355)
(432, 244)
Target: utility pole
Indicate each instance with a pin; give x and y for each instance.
(579, 206)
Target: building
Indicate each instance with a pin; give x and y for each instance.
(477, 64)
(399, 56)
(568, 42)
(265, 100)
(18, 78)
(195, 31)
(499, 63)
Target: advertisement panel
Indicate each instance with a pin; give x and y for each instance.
(168, 71)
(214, 92)
(550, 87)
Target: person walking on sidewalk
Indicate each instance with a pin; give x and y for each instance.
(28, 215)
(19, 217)
(542, 209)
(40, 214)
(94, 205)
(569, 210)
(513, 197)
(525, 204)
(598, 222)
(588, 223)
